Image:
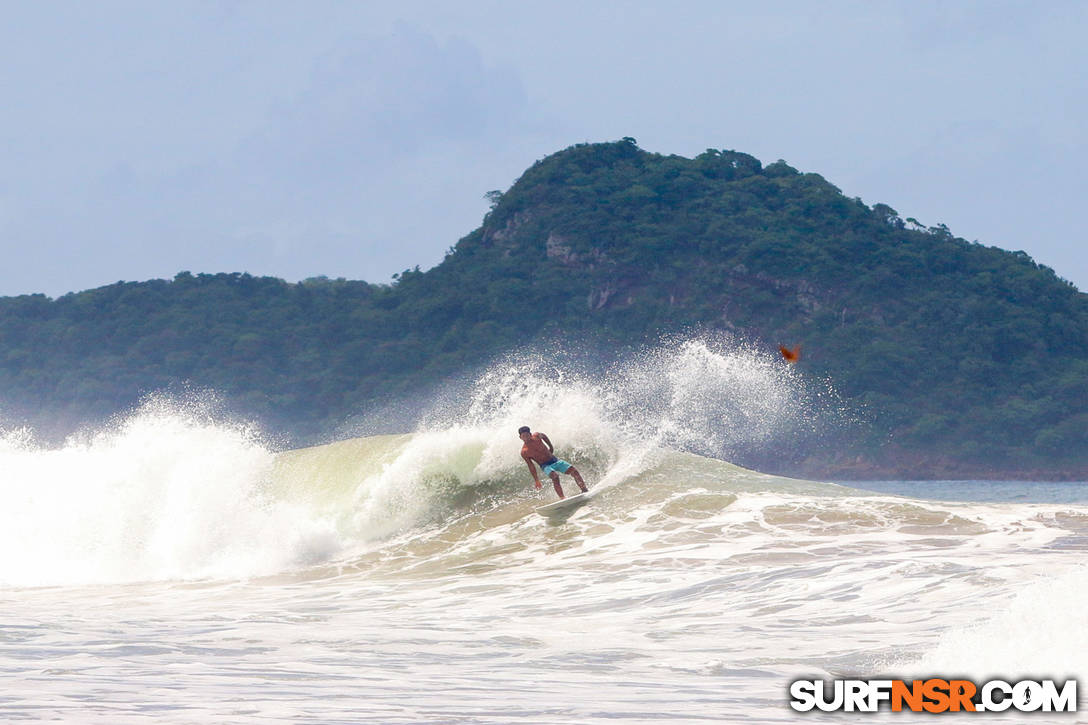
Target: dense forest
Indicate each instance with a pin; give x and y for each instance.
(967, 358)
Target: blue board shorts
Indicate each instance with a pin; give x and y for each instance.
(557, 465)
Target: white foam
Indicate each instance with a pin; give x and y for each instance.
(165, 494)
(1040, 631)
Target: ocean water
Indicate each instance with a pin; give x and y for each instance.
(177, 568)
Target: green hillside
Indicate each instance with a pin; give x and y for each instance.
(965, 358)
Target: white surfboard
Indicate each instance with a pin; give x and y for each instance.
(563, 504)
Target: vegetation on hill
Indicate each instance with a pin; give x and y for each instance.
(959, 353)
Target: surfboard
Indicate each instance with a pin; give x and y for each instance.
(564, 504)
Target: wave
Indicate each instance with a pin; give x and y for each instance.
(167, 493)
(175, 492)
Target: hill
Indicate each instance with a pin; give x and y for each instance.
(968, 360)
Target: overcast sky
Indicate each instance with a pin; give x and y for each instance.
(357, 139)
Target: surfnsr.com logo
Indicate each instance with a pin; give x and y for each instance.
(933, 695)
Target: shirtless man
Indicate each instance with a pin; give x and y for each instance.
(538, 448)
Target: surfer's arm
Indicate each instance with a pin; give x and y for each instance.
(547, 442)
(532, 470)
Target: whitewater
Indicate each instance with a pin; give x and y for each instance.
(176, 566)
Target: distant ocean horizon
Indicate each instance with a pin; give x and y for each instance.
(981, 490)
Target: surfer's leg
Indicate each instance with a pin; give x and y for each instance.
(558, 486)
(577, 478)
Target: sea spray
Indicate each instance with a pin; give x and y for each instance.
(164, 493)
(709, 395)
(718, 397)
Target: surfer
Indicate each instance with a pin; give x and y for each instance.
(539, 449)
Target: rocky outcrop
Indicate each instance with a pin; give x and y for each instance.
(558, 248)
(506, 233)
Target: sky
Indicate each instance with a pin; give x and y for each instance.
(357, 139)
